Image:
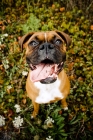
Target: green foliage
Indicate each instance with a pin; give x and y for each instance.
(52, 122)
(32, 24)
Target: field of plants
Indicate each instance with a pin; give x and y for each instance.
(16, 19)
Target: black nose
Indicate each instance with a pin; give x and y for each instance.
(46, 47)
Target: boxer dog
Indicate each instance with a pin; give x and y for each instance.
(45, 54)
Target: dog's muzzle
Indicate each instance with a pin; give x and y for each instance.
(46, 72)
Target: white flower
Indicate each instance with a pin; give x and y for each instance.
(49, 122)
(2, 39)
(2, 121)
(24, 73)
(9, 87)
(5, 35)
(6, 66)
(49, 138)
(18, 121)
(5, 63)
(18, 108)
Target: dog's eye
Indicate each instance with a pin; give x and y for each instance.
(33, 43)
(58, 42)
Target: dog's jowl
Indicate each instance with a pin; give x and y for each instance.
(45, 54)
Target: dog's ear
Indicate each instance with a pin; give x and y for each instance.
(65, 37)
(24, 39)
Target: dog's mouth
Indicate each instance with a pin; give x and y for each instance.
(46, 72)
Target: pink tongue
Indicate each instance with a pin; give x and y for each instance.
(42, 71)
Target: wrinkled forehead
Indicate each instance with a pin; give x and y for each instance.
(44, 36)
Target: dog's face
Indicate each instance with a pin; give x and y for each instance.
(46, 51)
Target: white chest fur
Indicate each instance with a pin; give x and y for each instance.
(48, 92)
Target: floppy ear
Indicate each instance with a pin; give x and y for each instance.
(24, 39)
(65, 37)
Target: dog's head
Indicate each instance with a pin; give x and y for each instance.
(45, 53)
